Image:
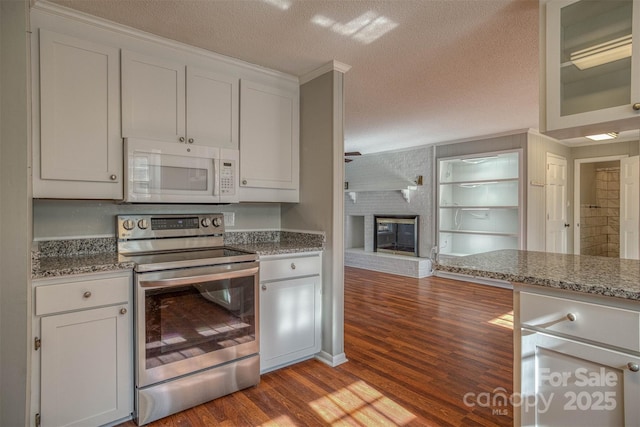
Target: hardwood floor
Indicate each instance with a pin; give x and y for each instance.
(418, 349)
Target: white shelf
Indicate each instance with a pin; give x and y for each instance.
(480, 182)
(479, 232)
(478, 208)
(405, 191)
(479, 203)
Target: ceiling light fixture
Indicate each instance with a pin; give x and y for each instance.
(603, 136)
(602, 53)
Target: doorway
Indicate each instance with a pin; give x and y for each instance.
(601, 207)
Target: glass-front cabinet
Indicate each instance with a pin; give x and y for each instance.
(479, 203)
(592, 73)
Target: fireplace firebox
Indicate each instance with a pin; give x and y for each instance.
(396, 234)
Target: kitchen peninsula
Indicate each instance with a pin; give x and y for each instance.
(587, 274)
(576, 322)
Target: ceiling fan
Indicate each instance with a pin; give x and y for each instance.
(351, 154)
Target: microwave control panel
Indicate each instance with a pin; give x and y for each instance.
(227, 177)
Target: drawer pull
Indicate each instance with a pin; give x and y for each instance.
(264, 287)
(633, 367)
(293, 266)
(87, 294)
(571, 317)
(123, 310)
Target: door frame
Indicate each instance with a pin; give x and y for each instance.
(576, 193)
(564, 201)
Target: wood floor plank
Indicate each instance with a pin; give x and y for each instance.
(416, 348)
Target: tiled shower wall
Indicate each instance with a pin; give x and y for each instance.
(600, 223)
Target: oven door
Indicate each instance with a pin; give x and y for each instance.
(192, 319)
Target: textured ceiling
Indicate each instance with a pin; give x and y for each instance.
(423, 71)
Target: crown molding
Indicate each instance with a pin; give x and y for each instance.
(329, 66)
(55, 9)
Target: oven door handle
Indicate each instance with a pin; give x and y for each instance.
(154, 282)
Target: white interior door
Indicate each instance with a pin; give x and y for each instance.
(629, 207)
(556, 204)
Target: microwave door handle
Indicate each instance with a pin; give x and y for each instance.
(216, 177)
(189, 280)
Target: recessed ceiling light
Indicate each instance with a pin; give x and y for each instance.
(603, 136)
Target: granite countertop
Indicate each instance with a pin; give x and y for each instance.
(590, 274)
(78, 264)
(79, 256)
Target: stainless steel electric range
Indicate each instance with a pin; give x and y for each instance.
(196, 312)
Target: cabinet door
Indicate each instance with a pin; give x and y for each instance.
(212, 109)
(269, 139)
(289, 321)
(86, 367)
(568, 383)
(79, 118)
(153, 98)
(592, 62)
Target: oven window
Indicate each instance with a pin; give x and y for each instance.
(192, 320)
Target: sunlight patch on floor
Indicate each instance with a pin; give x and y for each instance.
(281, 421)
(362, 404)
(505, 321)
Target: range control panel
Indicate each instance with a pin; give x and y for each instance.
(160, 226)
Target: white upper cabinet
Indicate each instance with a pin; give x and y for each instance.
(269, 137)
(592, 65)
(212, 108)
(153, 98)
(79, 151)
(169, 101)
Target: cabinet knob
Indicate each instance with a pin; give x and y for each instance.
(571, 317)
(636, 106)
(244, 182)
(633, 367)
(181, 139)
(191, 140)
(87, 294)
(567, 225)
(123, 310)
(293, 266)
(264, 287)
(113, 177)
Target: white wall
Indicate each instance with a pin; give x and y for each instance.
(320, 207)
(537, 148)
(56, 219)
(15, 214)
(392, 168)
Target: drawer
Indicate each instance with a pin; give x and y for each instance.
(603, 324)
(81, 294)
(290, 267)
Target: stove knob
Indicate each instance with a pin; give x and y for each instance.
(205, 222)
(217, 222)
(143, 224)
(129, 224)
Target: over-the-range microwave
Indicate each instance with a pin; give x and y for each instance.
(168, 172)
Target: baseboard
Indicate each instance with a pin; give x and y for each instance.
(330, 360)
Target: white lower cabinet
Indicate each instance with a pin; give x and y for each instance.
(83, 351)
(290, 309)
(570, 383)
(578, 361)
